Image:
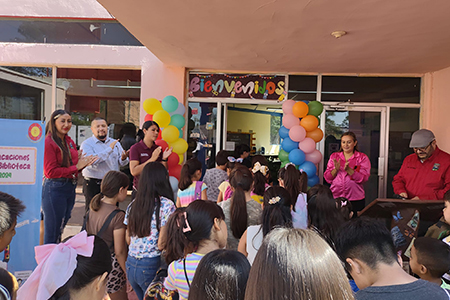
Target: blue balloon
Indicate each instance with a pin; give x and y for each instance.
(288, 145)
(306, 101)
(297, 156)
(309, 168)
(312, 181)
(283, 132)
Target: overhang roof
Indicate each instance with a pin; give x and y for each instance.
(401, 36)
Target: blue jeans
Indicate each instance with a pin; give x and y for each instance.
(58, 199)
(141, 272)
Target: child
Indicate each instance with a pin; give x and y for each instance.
(7, 285)
(276, 213)
(241, 210)
(345, 207)
(203, 226)
(189, 186)
(225, 191)
(145, 217)
(10, 209)
(260, 185)
(105, 220)
(441, 229)
(214, 177)
(430, 260)
(242, 153)
(296, 183)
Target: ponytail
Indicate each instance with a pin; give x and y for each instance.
(259, 178)
(176, 243)
(277, 209)
(295, 182)
(187, 171)
(111, 185)
(241, 180)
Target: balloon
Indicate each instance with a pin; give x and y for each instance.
(313, 180)
(290, 120)
(315, 108)
(162, 143)
(161, 117)
(307, 145)
(170, 134)
(177, 121)
(283, 155)
(297, 156)
(288, 145)
(169, 103)
(309, 122)
(181, 134)
(315, 157)
(181, 109)
(173, 183)
(173, 160)
(175, 171)
(181, 157)
(316, 134)
(151, 105)
(179, 146)
(309, 168)
(159, 135)
(300, 109)
(287, 106)
(283, 164)
(297, 133)
(283, 132)
(148, 118)
(306, 101)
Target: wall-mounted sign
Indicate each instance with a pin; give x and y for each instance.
(251, 86)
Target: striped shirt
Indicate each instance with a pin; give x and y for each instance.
(176, 279)
(188, 195)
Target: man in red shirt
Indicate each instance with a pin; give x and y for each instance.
(424, 175)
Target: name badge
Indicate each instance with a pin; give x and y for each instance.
(144, 154)
(436, 167)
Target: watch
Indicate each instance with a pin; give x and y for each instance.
(164, 159)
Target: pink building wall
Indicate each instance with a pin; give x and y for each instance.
(436, 106)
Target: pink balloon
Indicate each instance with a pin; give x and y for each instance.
(315, 157)
(287, 106)
(289, 120)
(297, 133)
(307, 145)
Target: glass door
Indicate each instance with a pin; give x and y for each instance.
(368, 124)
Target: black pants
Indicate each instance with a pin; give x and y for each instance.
(357, 205)
(91, 187)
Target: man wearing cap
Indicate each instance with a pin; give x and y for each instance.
(425, 174)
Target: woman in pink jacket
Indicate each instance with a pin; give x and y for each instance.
(347, 171)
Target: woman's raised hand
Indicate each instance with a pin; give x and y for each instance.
(337, 164)
(167, 152)
(85, 161)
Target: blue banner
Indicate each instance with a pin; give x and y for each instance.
(21, 171)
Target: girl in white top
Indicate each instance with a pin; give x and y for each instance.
(276, 213)
(296, 183)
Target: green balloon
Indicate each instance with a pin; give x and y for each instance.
(315, 108)
(283, 164)
(169, 104)
(177, 121)
(283, 155)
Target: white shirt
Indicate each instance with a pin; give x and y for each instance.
(108, 159)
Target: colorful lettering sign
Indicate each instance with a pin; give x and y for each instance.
(251, 86)
(17, 165)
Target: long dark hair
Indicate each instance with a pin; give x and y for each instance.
(277, 209)
(148, 124)
(187, 171)
(241, 180)
(52, 131)
(353, 136)
(88, 268)
(323, 214)
(153, 183)
(175, 247)
(195, 224)
(230, 270)
(295, 182)
(259, 181)
(110, 187)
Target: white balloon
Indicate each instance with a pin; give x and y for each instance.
(173, 183)
(180, 110)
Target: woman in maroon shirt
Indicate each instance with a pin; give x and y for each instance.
(62, 162)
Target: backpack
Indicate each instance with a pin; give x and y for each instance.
(198, 190)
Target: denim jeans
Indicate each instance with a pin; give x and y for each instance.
(58, 199)
(141, 272)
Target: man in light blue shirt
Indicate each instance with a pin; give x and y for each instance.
(111, 157)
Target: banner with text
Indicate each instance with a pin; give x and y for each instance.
(251, 86)
(21, 171)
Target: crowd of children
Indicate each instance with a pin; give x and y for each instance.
(292, 242)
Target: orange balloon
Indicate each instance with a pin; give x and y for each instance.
(316, 134)
(300, 109)
(309, 123)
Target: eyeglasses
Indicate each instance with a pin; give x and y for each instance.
(422, 149)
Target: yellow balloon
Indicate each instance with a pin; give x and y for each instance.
(170, 133)
(179, 146)
(151, 105)
(162, 117)
(181, 156)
